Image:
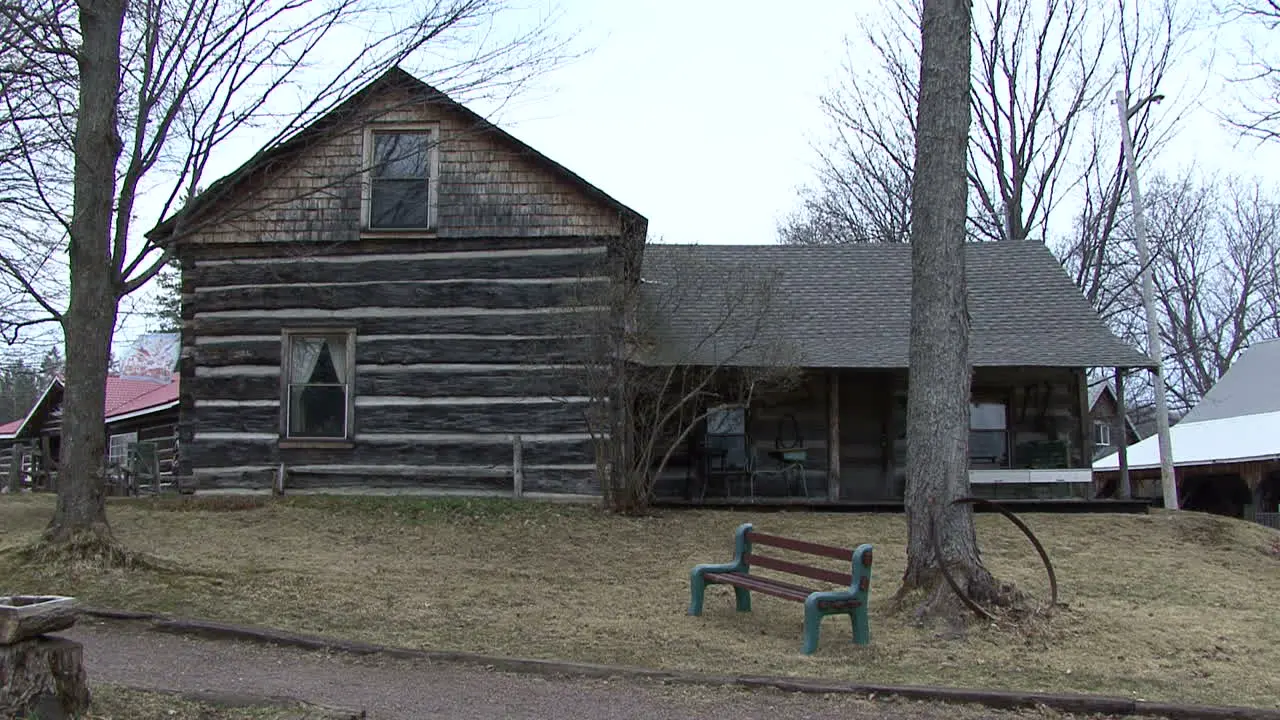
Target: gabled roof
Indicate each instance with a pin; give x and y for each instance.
(1250, 386)
(1108, 388)
(394, 79)
(850, 306)
(126, 398)
(152, 399)
(54, 386)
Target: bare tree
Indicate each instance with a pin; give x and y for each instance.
(1041, 76)
(152, 89)
(679, 338)
(1216, 247)
(1256, 112)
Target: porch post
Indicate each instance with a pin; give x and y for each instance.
(833, 435)
(1124, 489)
(14, 474)
(1086, 421)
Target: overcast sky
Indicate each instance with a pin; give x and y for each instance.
(703, 116)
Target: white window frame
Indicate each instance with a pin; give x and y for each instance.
(433, 176)
(286, 380)
(120, 458)
(1102, 433)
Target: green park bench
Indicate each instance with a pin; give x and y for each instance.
(818, 603)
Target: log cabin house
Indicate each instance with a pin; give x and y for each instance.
(140, 428)
(394, 299)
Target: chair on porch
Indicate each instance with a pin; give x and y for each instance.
(725, 459)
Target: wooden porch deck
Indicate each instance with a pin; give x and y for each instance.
(776, 504)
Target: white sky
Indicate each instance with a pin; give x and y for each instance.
(703, 116)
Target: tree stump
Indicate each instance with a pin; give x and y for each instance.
(41, 677)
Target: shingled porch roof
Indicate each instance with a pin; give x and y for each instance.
(850, 306)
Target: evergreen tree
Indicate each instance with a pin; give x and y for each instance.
(165, 313)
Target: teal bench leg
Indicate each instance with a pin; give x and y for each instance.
(744, 599)
(697, 588)
(812, 624)
(861, 626)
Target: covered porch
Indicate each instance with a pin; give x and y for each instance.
(838, 436)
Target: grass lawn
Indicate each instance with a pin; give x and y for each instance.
(1174, 607)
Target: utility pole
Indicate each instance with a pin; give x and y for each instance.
(1155, 349)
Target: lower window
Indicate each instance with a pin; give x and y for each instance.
(318, 374)
(118, 448)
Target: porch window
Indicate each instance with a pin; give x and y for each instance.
(118, 448)
(317, 378)
(1102, 433)
(400, 183)
(726, 438)
(988, 434)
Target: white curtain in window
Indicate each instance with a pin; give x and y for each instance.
(304, 354)
(338, 354)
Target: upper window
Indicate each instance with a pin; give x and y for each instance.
(988, 434)
(401, 180)
(318, 376)
(1101, 433)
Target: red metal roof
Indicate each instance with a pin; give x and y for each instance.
(10, 428)
(130, 396)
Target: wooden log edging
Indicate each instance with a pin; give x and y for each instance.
(226, 699)
(1002, 699)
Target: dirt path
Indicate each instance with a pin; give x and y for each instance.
(128, 654)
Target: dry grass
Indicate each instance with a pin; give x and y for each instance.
(115, 703)
(1163, 607)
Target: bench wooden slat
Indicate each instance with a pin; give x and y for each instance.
(801, 546)
(765, 585)
(814, 573)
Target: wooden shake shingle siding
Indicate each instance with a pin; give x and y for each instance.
(466, 335)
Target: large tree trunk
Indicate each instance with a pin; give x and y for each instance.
(939, 381)
(80, 518)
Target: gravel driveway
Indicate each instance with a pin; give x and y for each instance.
(390, 689)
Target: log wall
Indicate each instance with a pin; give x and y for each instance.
(445, 378)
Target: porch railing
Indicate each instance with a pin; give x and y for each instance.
(1270, 519)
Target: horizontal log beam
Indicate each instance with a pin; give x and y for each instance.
(584, 321)
(528, 383)
(572, 482)
(209, 454)
(443, 480)
(371, 350)
(257, 480)
(382, 381)
(399, 294)
(496, 418)
(356, 268)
